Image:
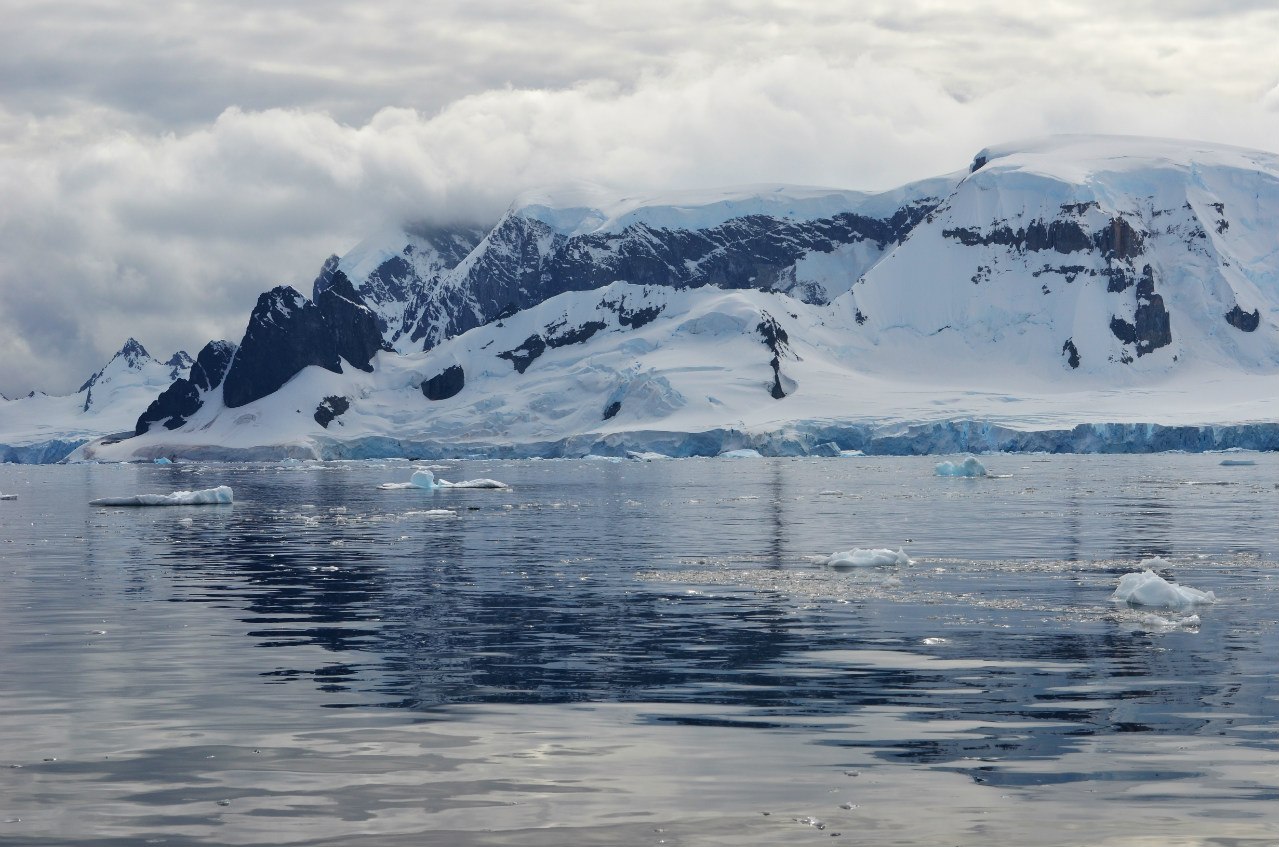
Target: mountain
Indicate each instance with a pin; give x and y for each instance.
(42, 427)
(1081, 293)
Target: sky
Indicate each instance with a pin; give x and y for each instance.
(162, 162)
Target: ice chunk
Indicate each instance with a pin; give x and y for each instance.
(1148, 588)
(645, 456)
(1237, 463)
(869, 558)
(968, 467)
(427, 480)
(209, 497)
(163, 460)
(741, 454)
(8, 496)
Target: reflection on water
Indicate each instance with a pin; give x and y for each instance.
(637, 653)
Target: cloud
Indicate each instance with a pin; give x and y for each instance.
(160, 211)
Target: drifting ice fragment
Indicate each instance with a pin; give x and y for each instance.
(427, 480)
(1237, 463)
(8, 496)
(741, 454)
(209, 497)
(968, 467)
(1147, 588)
(859, 558)
(163, 460)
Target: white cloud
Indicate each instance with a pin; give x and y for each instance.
(161, 210)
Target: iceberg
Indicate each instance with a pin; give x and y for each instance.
(1237, 463)
(209, 497)
(1147, 588)
(8, 496)
(969, 467)
(746, 453)
(426, 480)
(869, 558)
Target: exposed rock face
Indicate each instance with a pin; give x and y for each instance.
(526, 354)
(1150, 328)
(778, 342)
(331, 408)
(524, 261)
(354, 327)
(177, 403)
(1246, 321)
(211, 364)
(178, 363)
(1071, 352)
(448, 383)
(286, 333)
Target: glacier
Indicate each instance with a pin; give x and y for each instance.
(1072, 294)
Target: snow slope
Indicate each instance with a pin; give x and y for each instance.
(43, 427)
(1077, 293)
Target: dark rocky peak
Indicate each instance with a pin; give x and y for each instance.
(177, 403)
(328, 272)
(451, 243)
(357, 335)
(177, 363)
(211, 364)
(133, 353)
(525, 261)
(286, 333)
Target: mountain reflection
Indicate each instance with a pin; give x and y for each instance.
(533, 596)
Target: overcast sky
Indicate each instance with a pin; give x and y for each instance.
(162, 163)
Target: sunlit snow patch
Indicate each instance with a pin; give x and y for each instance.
(209, 497)
(869, 558)
(426, 480)
(1148, 588)
(968, 467)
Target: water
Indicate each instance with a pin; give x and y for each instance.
(639, 654)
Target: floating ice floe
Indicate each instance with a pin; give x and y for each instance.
(426, 480)
(746, 453)
(869, 558)
(969, 467)
(1148, 588)
(8, 496)
(432, 513)
(209, 497)
(1237, 463)
(162, 460)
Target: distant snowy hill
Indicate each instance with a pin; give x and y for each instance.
(1077, 293)
(43, 427)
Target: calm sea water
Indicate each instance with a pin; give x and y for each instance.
(639, 654)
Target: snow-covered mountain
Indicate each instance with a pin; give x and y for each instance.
(1053, 289)
(42, 427)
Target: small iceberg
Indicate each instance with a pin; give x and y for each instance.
(426, 480)
(163, 460)
(870, 558)
(1148, 588)
(8, 496)
(746, 453)
(209, 497)
(969, 467)
(1237, 463)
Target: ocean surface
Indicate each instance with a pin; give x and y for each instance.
(640, 654)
